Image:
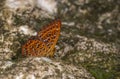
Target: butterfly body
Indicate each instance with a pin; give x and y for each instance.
(44, 43)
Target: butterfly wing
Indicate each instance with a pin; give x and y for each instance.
(50, 35)
(34, 48)
(44, 43)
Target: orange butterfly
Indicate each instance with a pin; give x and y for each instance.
(44, 43)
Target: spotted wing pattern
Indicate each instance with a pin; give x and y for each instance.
(44, 43)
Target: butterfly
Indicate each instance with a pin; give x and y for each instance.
(43, 44)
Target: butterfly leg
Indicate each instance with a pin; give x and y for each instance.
(51, 53)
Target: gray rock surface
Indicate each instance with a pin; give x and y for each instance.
(44, 68)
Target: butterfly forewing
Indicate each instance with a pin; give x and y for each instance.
(50, 30)
(45, 41)
(50, 35)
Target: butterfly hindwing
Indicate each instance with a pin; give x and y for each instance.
(34, 48)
